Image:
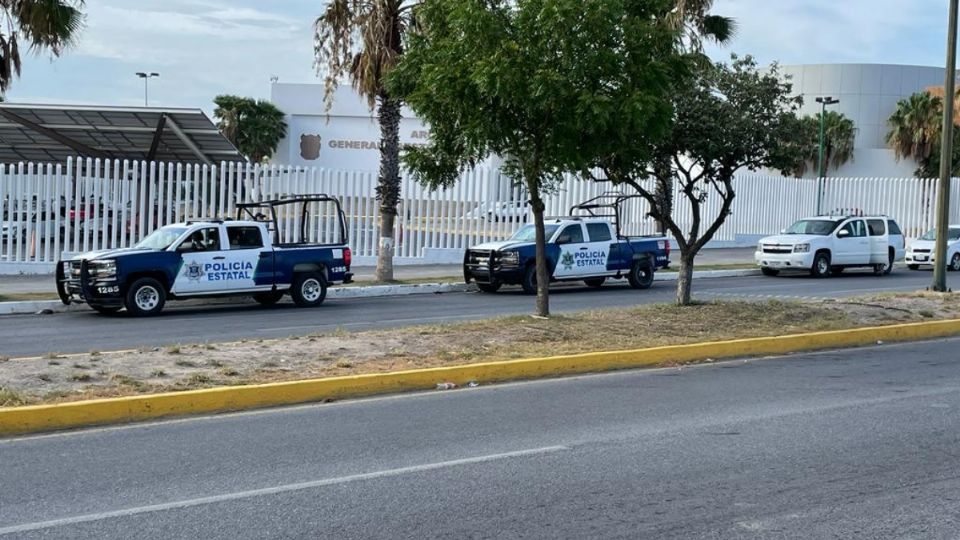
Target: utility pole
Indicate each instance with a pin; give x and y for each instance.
(946, 156)
(146, 85)
(821, 170)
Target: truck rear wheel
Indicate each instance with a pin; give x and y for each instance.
(308, 290)
(145, 297)
(596, 282)
(641, 275)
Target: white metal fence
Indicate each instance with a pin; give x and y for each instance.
(89, 205)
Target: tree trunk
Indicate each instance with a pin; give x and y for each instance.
(685, 279)
(388, 183)
(543, 274)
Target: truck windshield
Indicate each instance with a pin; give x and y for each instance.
(952, 236)
(161, 238)
(821, 227)
(528, 233)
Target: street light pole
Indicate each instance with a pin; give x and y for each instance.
(146, 86)
(821, 172)
(946, 156)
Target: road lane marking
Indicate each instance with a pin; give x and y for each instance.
(239, 495)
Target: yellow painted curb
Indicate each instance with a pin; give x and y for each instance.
(31, 419)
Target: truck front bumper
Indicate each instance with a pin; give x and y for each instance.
(483, 266)
(76, 286)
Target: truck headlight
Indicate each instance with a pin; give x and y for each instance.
(801, 248)
(510, 258)
(66, 268)
(103, 269)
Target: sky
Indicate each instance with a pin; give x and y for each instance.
(203, 48)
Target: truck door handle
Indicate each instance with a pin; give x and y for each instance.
(264, 255)
(219, 258)
(584, 248)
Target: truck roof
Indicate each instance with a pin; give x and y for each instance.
(584, 219)
(213, 221)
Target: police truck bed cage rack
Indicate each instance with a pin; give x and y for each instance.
(251, 211)
(606, 205)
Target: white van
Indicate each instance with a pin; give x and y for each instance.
(827, 245)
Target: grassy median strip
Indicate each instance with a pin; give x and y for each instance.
(54, 378)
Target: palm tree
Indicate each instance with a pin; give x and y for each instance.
(43, 25)
(698, 25)
(363, 40)
(255, 127)
(915, 128)
(840, 134)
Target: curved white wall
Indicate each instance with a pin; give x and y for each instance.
(868, 93)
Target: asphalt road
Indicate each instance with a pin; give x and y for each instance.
(847, 444)
(80, 332)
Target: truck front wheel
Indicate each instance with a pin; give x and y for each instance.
(641, 275)
(145, 297)
(529, 282)
(309, 289)
(489, 287)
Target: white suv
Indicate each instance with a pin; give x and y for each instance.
(830, 244)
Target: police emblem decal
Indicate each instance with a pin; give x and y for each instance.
(193, 271)
(567, 260)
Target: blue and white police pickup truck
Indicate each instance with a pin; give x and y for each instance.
(587, 247)
(265, 256)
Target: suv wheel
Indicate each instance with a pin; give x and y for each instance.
(145, 297)
(821, 266)
(308, 290)
(884, 269)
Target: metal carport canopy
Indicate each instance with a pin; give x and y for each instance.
(54, 133)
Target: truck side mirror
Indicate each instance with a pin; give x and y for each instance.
(843, 233)
(565, 239)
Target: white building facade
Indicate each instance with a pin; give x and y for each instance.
(868, 95)
(347, 136)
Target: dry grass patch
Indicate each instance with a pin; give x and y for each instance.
(341, 352)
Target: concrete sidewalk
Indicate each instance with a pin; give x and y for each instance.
(38, 284)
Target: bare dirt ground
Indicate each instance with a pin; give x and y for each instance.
(57, 378)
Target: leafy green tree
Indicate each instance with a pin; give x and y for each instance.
(41, 25)
(363, 40)
(697, 26)
(727, 118)
(255, 127)
(534, 81)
